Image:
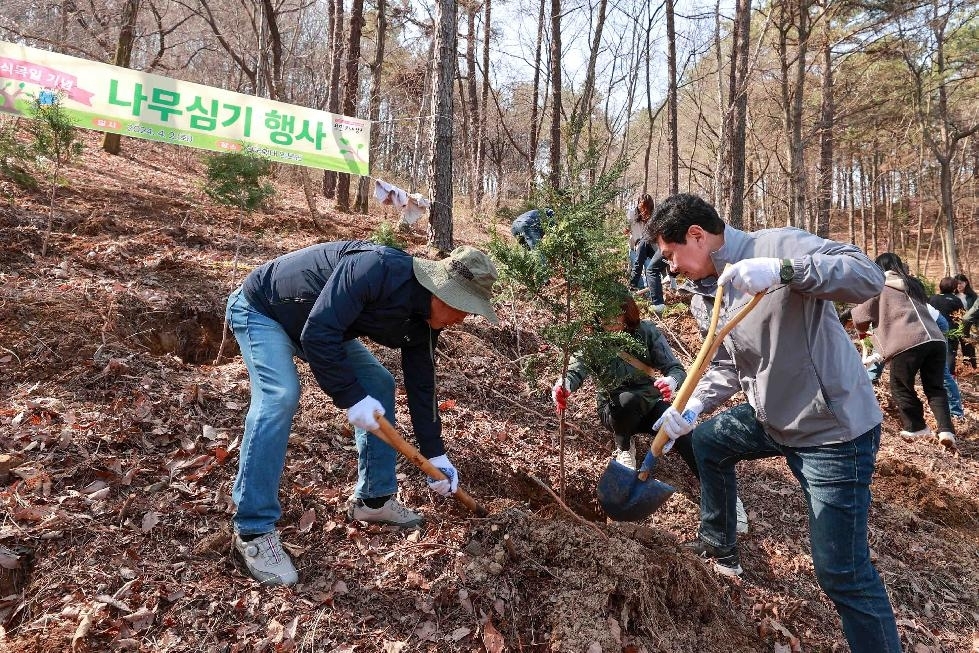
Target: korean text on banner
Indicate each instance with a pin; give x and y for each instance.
(132, 103)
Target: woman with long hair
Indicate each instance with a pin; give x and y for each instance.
(909, 340)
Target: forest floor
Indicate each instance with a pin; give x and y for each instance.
(123, 438)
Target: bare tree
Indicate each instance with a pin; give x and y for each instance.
(374, 111)
(336, 73)
(555, 177)
(440, 153)
(351, 89)
(123, 56)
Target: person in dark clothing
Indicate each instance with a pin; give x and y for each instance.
(528, 228)
(629, 400)
(910, 341)
(951, 308)
(647, 264)
(315, 304)
(967, 296)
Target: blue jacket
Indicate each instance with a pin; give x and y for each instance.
(326, 294)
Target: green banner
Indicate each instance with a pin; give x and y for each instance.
(132, 103)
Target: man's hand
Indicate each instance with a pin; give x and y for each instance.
(560, 394)
(451, 482)
(666, 386)
(678, 424)
(752, 275)
(361, 414)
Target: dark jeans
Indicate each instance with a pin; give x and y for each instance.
(928, 359)
(527, 234)
(627, 413)
(648, 266)
(835, 480)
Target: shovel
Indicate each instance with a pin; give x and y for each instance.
(626, 495)
(390, 435)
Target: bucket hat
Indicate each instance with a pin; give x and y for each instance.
(464, 280)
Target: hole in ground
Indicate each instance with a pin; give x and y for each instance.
(194, 336)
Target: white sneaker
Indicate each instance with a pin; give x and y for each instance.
(923, 433)
(264, 559)
(742, 517)
(627, 457)
(946, 439)
(659, 308)
(392, 513)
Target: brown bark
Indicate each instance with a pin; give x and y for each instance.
(440, 153)
(555, 176)
(333, 97)
(124, 53)
(351, 87)
(374, 110)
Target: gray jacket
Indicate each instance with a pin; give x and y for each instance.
(791, 356)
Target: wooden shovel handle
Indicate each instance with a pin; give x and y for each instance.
(390, 435)
(712, 342)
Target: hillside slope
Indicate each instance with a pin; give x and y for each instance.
(127, 434)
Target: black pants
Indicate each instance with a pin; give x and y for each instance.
(928, 360)
(627, 413)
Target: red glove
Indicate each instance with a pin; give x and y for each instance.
(666, 386)
(560, 394)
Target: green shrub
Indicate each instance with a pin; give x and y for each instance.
(238, 179)
(387, 235)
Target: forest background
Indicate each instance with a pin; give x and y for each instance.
(863, 115)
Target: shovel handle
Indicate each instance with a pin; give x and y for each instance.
(712, 343)
(390, 435)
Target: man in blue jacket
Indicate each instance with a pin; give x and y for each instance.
(528, 228)
(315, 303)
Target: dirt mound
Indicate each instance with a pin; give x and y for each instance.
(582, 591)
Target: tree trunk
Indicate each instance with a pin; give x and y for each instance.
(535, 104)
(422, 107)
(672, 129)
(583, 108)
(351, 88)
(363, 187)
(440, 155)
(827, 121)
(484, 109)
(738, 97)
(333, 97)
(472, 127)
(124, 53)
(555, 177)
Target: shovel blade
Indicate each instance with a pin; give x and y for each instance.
(625, 498)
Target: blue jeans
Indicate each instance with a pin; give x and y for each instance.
(835, 480)
(269, 353)
(954, 395)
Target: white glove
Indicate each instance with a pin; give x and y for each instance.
(666, 386)
(873, 359)
(560, 394)
(676, 424)
(752, 275)
(448, 486)
(361, 414)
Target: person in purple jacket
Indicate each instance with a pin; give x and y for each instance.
(315, 304)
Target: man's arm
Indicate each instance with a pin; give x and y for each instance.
(719, 383)
(418, 365)
(830, 270)
(357, 280)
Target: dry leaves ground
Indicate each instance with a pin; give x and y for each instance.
(123, 437)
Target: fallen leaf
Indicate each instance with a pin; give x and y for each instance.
(88, 618)
(150, 519)
(615, 629)
(393, 647)
(141, 619)
(425, 630)
(459, 633)
(340, 587)
(306, 521)
(221, 454)
(448, 404)
(492, 639)
(594, 647)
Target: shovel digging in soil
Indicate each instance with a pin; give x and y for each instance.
(627, 495)
(390, 435)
